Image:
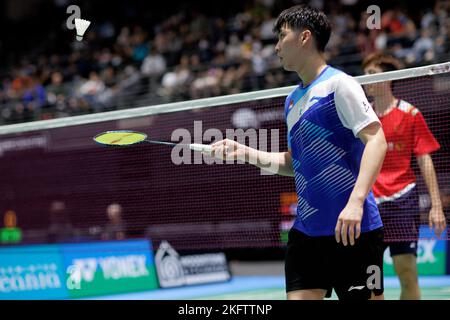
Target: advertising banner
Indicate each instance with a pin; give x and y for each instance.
(175, 270)
(109, 267)
(76, 270)
(32, 272)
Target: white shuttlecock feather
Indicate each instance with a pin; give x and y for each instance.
(81, 26)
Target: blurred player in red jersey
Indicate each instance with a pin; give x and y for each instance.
(395, 189)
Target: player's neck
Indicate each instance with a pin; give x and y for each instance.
(311, 69)
(383, 104)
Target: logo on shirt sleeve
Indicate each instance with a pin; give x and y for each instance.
(366, 106)
(291, 103)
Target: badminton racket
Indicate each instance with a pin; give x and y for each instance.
(128, 137)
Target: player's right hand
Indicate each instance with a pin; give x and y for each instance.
(227, 149)
(348, 225)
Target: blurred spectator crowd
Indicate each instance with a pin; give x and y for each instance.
(60, 228)
(191, 55)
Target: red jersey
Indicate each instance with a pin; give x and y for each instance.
(406, 133)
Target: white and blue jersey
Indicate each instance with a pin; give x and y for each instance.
(323, 121)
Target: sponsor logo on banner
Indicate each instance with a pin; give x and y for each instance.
(249, 118)
(174, 270)
(23, 144)
(109, 267)
(32, 272)
(21, 278)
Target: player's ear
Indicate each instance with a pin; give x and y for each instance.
(305, 35)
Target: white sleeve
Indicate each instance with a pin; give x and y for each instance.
(353, 108)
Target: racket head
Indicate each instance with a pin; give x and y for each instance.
(121, 138)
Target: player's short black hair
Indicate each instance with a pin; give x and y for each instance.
(301, 17)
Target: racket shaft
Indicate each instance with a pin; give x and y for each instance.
(161, 142)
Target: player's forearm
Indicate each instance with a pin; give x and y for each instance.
(371, 163)
(274, 162)
(429, 174)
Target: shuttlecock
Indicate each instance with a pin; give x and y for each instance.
(81, 26)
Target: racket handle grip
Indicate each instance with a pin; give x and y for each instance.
(200, 147)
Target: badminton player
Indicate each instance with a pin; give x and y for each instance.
(336, 149)
(395, 189)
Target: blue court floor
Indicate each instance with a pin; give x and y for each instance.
(272, 288)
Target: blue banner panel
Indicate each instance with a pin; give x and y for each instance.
(32, 272)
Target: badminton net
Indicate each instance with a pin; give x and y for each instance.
(193, 205)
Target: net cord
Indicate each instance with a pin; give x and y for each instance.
(210, 102)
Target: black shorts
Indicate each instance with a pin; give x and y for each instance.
(401, 220)
(402, 247)
(322, 263)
